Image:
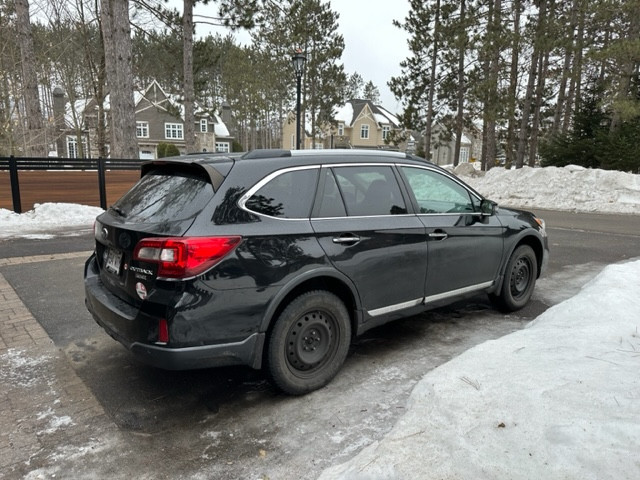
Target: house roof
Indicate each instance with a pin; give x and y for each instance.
(351, 110)
(158, 98)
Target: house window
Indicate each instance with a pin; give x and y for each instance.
(222, 147)
(385, 131)
(364, 131)
(173, 131)
(72, 147)
(464, 154)
(341, 129)
(203, 125)
(142, 129)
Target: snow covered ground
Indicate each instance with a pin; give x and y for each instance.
(559, 399)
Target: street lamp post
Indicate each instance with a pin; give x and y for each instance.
(298, 60)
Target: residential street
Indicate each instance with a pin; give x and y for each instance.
(230, 423)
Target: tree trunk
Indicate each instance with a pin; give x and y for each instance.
(512, 98)
(629, 66)
(531, 83)
(491, 107)
(36, 140)
(116, 32)
(189, 118)
(568, 55)
(432, 83)
(543, 66)
(461, 85)
(573, 97)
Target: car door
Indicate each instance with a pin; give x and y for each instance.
(465, 247)
(362, 223)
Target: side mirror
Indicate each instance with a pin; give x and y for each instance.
(488, 207)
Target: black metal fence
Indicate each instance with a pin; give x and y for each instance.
(100, 165)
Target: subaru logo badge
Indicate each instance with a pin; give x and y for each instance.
(105, 233)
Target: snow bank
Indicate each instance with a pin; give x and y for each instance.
(570, 188)
(560, 399)
(46, 217)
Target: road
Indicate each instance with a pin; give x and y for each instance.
(230, 422)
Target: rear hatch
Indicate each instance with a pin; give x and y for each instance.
(163, 203)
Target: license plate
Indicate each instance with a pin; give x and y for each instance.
(114, 260)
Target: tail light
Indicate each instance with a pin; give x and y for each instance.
(184, 257)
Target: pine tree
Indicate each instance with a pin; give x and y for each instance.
(416, 86)
(371, 92)
(116, 33)
(36, 143)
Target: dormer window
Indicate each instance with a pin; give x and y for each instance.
(385, 131)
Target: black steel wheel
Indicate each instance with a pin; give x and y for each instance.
(519, 280)
(309, 342)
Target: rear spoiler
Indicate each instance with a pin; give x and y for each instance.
(215, 167)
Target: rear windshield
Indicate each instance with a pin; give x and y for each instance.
(165, 196)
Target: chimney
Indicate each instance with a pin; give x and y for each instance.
(59, 120)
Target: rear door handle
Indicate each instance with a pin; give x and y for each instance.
(438, 235)
(346, 239)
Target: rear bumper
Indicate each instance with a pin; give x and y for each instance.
(246, 352)
(124, 322)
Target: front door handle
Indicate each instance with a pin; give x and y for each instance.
(346, 239)
(438, 235)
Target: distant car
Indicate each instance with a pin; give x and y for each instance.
(278, 258)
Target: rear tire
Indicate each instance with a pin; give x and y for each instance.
(519, 280)
(309, 342)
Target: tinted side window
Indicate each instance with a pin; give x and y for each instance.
(436, 193)
(370, 190)
(331, 204)
(289, 195)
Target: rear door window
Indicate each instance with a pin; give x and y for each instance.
(370, 190)
(286, 195)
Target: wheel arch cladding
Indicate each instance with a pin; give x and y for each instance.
(326, 283)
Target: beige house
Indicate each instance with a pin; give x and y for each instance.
(159, 119)
(357, 124)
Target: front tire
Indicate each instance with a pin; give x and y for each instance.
(309, 342)
(519, 280)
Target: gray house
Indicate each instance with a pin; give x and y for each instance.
(443, 143)
(159, 119)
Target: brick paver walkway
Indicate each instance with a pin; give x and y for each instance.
(48, 415)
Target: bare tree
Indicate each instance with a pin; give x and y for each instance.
(36, 142)
(116, 33)
(187, 33)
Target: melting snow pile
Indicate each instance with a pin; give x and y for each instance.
(571, 188)
(45, 218)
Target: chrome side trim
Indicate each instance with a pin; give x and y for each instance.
(459, 291)
(393, 308)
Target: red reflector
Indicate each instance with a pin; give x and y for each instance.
(184, 257)
(163, 331)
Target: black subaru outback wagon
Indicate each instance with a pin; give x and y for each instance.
(278, 258)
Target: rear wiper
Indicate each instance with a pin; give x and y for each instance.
(118, 210)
